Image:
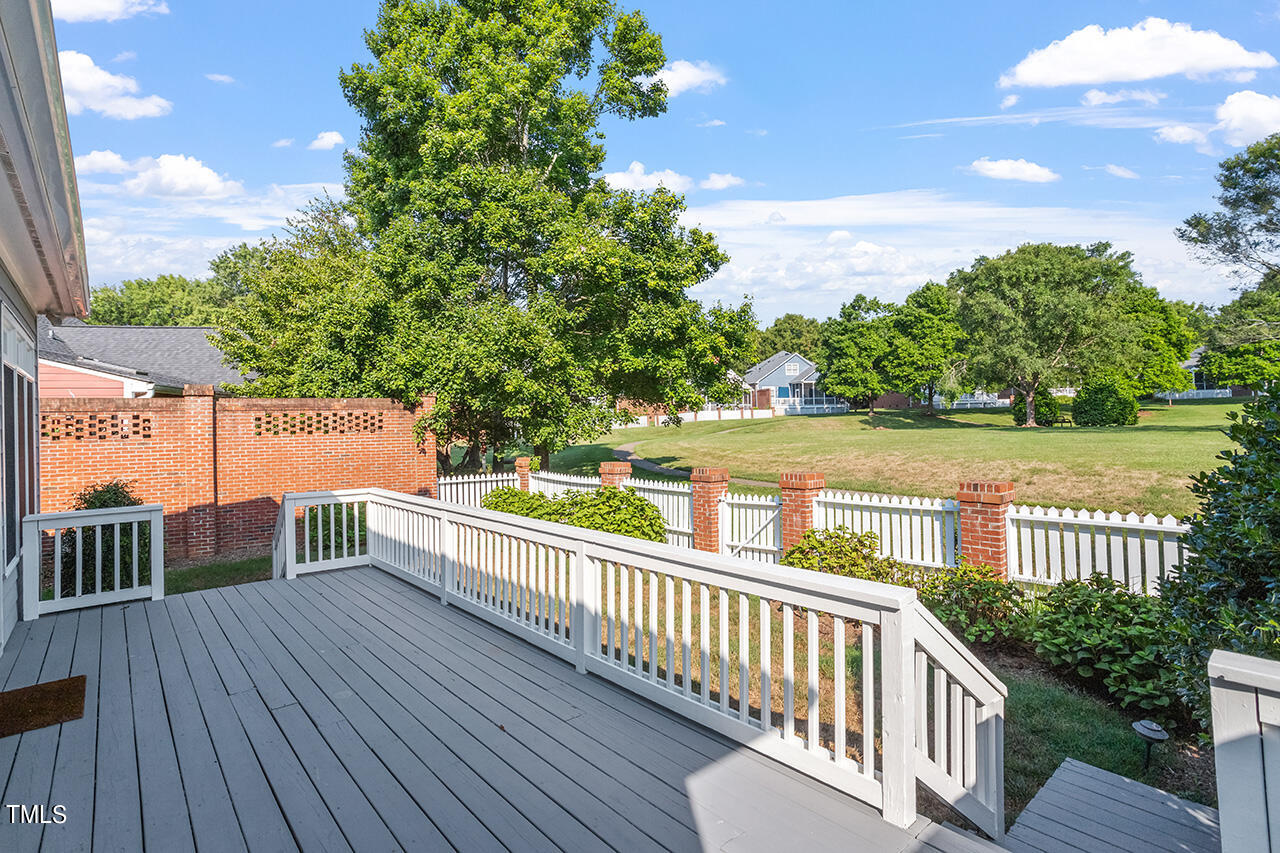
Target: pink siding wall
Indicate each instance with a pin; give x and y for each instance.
(60, 382)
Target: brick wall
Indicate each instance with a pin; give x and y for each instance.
(219, 465)
(984, 510)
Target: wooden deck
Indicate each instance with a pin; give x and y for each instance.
(347, 710)
(1083, 808)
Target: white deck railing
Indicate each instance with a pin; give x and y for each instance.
(710, 637)
(1049, 545)
(918, 531)
(1245, 692)
(86, 558)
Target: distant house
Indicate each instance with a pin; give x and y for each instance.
(788, 383)
(1203, 386)
(80, 360)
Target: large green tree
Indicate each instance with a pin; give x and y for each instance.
(1166, 339)
(1243, 341)
(511, 280)
(1245, 232)
(853, 348)
(790, 333)
(1044, 314)
(924, 350)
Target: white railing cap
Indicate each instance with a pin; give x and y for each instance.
(1245, 669)
(92, 516)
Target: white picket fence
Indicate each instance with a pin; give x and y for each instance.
(751, 527)
(700, 417)
(552, 484)
(640, 615)
(470, 489)
(917, 531)
(1048, 545)
(674, 501)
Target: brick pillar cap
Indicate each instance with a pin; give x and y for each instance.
(802, 480)
(523, 463)
(197, 390)
(616, 467)
(710, 475)
(986, 491)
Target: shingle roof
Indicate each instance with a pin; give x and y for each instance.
(167, 355)
(764, 368)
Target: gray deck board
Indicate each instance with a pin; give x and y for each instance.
(1083, 808)
(349, 710)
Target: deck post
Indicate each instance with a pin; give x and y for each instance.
(449, 558)
(31, 570)
(289, 507)
(157, 555)
(899, 777)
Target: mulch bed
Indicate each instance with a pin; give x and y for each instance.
(41, 705)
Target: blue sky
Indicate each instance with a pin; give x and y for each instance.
(834, 148)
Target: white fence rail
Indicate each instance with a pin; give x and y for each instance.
(674, 501)
(751, 527)
(470, 489)
(552, 484)
(1048, 545)
(1245, 693)
(727, 414)
(87, 558)
(712, 638)
(918, 531)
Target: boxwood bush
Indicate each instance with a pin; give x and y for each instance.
(610, 510)
(1046, 406)
(1104, 403)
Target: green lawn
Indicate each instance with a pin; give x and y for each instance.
(195, 578)
(1143, 468)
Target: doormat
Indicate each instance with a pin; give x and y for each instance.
(41, 705)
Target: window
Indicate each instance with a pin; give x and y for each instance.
(793, 368)
(18, 397)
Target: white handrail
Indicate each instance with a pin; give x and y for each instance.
(664, 617)
(87, 568)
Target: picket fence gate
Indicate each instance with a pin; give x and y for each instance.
(751, 527)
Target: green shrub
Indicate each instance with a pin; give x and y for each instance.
(105, 495)
(610, 510)
(1227, 594)
(1046, 406)
(973, 601)
(1103, 633)
(1104, 403)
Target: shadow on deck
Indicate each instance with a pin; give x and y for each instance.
(348, 710)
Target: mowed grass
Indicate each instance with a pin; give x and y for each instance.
(1144, 468)
(194, 578)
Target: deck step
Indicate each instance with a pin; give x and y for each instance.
(1085, 808)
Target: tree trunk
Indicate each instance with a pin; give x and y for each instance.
(544, 457)
(499, 464)
(1031, 409)
(928, 406)
(474, 459)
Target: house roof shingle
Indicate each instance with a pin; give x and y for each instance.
(171, 356)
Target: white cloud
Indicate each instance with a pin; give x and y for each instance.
(326, 140)
(1150, 49)
(785, 251)
(282, 143)
(85, 86)
(1245, 117)
(1013, 170)
(178, 175)
(759, 131)
(635, 178)
(124, 56)
(718, 181)
(921, 136)
(76, 11)
(1185, 134)
(685, 76)
(220, 78)
(715, 122)
(102, 163)
(1009, 101)
(1095, 97)
(1120, 172)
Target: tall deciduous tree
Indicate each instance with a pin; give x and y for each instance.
(925, 342)
(1046, 314)
(1243, 341)
(1245, 233)
(853, 348)
(790, 333)
(510, 280)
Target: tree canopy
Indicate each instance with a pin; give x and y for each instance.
(790, 333)
(1245, 232)
(496, 269)
(1243, 340)
(853, 348)
(1047, 314)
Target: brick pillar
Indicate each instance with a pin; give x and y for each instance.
(522, 471)
(709, 486)
(798, 492)
(984, 506)
(613, 473)
(430, 485)
(201, 474)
